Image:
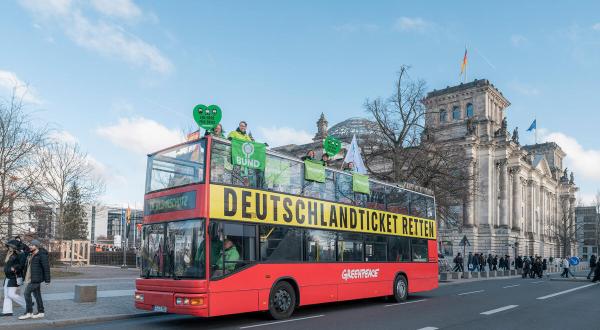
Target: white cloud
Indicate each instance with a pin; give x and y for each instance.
(517, 40)
(524, 89)
(63, 136)
(105, 173)
(106, 38)
(124, 9)
(279, 136)
(596, 27)
(584, 162)
(10, 82)
(406, 24)
(140, 135)
(351, 28)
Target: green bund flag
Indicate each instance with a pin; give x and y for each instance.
(360, 183)
(248, 154)
(314, 171)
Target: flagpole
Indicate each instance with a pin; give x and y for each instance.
(536, 133)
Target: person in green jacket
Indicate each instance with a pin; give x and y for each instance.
(240, 133)
(227, 259)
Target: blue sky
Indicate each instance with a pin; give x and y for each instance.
(121, 77)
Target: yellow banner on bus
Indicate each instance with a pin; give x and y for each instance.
(259, 206)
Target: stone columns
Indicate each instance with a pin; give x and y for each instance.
(468, 212)
(530, 207)
(503, 194)
(517, 199)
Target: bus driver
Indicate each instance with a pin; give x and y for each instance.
(227, 259)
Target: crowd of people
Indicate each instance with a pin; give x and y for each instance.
(478, 262)
(531, 266)
(25, 266)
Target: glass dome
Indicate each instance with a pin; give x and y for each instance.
(362, 127)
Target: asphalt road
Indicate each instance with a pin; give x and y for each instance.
(492, 304)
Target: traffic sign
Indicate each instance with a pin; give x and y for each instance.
(464, 241)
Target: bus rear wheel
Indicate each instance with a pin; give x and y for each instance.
(282, 301)
(400, 288)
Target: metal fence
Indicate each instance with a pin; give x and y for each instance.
(112, 258)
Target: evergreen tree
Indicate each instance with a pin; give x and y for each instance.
(74, 219)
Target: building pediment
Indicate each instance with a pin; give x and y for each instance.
(541, 164)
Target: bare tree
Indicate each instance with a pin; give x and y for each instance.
(20, 172)
(566, 229)
(399, 150)
(65, 165)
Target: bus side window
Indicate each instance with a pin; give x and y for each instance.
(319, 245)
(399, 249)
(398, 201)
(419, 250)
(376, 200)
(343, 188)
(375, 248)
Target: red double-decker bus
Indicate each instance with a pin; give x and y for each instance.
(222, 239)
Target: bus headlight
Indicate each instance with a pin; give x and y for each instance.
(139, 297)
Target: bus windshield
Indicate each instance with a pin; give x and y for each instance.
(174, 249)
(177, 166)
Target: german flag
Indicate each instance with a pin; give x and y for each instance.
(463, 65)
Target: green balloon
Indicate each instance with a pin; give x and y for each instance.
(332, 146)
(207, 117)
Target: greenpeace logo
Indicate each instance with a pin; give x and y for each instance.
(353, 274)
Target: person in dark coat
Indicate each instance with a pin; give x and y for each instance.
(36, 271)
(592, 266)
(12, 270)
(596, 274)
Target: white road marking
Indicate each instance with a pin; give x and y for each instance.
(537, 282)
(510, 286)
(429, 328)
(466, 293)
(566, 291)
(404, 303)
(278, 322)
(497, 310)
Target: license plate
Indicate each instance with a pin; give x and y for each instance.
(162, 309)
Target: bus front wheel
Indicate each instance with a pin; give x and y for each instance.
(282, 301)
(400, 288)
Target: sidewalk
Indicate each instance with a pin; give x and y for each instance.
(64, 312)
(116, 288)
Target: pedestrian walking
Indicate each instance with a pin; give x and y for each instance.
(470, 264)
(36, 271)
(12, 273)
(526, 267)
(592, 266)
(596, 275)
(458, 263)
(481, 262)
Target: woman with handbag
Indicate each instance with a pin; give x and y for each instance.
(12, 270)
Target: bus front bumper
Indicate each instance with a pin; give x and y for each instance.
(176, 303)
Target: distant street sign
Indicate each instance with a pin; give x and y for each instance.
(464, 241)
(574, 261)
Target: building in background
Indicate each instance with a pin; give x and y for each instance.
(115, 225)
(521, 193)
(588, 231)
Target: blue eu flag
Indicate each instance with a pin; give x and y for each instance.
(532, 126)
